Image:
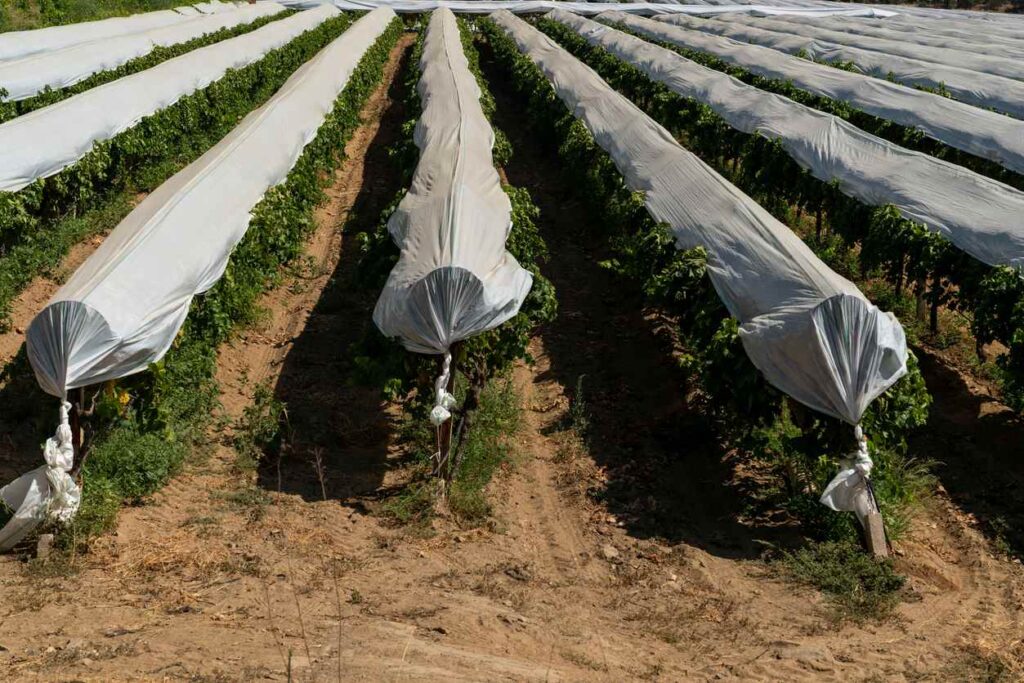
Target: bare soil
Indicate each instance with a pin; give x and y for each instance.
(630, 557)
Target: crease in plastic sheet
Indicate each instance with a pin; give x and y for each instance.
(18, 44)
(122, 309)
(454, 278)
(807, 329)
(977, 214)
(539, 6)
(28, 76)
(44, 142)
(983, 133)
(1005, 95)
(952, 54)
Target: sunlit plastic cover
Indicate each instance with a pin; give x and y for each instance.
(454, 278)
(123, 307)
(43, 142)
(25, 77)
(810, 331)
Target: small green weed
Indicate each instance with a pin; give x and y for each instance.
(860, 586)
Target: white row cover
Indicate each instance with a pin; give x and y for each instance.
(16, 44)
(23, 78)
(977, 214)
(454, 278)
(215, 7)
(981, 90)
(809, 330)
(976, 41)
(950, 55)
(980, 132)
(122, 308)
(540, 6)
(43, 142)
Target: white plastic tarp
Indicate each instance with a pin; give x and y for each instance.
(977, 41)
(43, 142)
(981, 90)
(980, 132)
(454, 278)
(540, 6)
(23, 78)
(122, 308)
(977, 214)
(16, 44)
(950, 55)
(808, 330)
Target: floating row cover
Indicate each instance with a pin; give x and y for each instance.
(454, 278)
(539, 6)
(123, 307)
(981, 62)
(1000, 24)
(23, 78)
(979, 215)
(43, 142)
(16, 44)
(977, 41)
(981, 90)
(979, 132)
(808, 330)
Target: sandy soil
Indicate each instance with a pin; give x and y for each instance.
(632, 559)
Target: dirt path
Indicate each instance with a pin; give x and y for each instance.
(628, 559)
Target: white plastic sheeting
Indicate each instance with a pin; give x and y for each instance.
(122, 308)
(17, 44)
(981, 90)
(808, 330)
(23, 78)
(980, 132)
(43, 142)
(977, 214)
(950, 55)
(977, 41)
(540, 6)
(454, 278)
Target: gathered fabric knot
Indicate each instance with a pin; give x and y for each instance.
(850, 490)
(59, 453)
(443, 400)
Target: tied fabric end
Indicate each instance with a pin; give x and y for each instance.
(443, 400)
(850, 489)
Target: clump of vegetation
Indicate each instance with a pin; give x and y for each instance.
(258, 432)
(860, 586)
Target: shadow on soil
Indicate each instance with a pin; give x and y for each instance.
(328, 414)
(979, 446)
